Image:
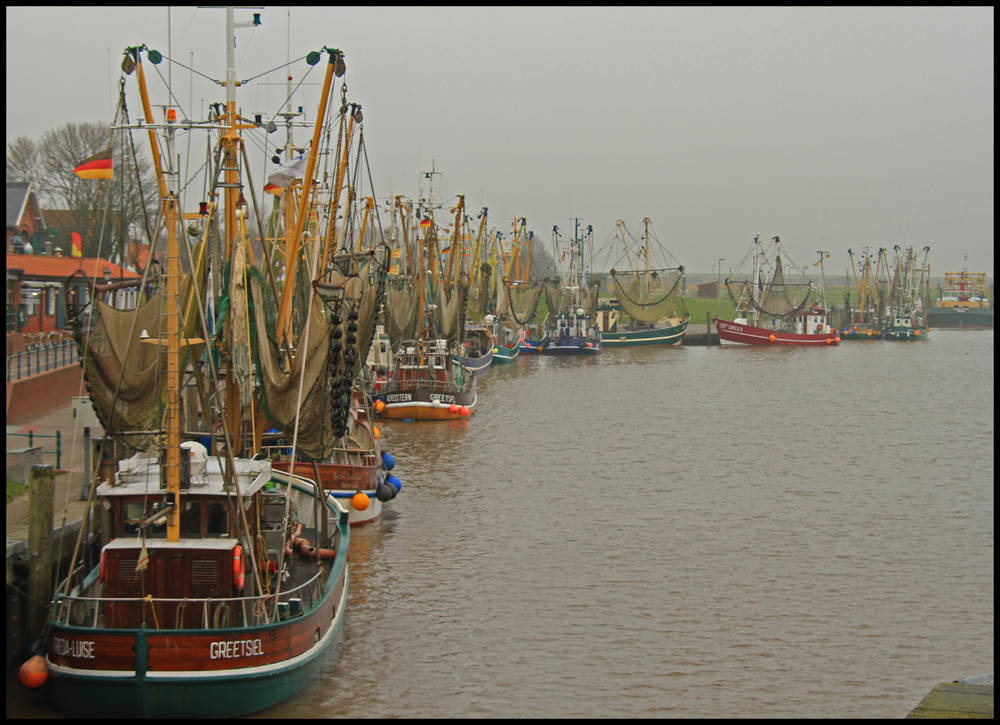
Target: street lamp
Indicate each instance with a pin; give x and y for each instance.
(718, 290)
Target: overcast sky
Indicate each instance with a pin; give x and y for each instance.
(832, 128)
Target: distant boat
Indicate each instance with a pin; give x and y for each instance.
(516, 327)
(909, 297)
(770, 311)
(477, 348)
(356, 464)
(506, 342)
(646, 293)
(571, 327)
(868, 313)
(962, 302)
(428, 380)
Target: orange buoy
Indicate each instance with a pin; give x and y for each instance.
(379, 406)
(34, 672)
(772, 338)
(239, 568)
(916, 332)
(829, 340)
(375, 431)
(464, 410)
(453, 408)
(360, 501)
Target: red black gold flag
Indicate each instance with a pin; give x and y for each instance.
(97, 166)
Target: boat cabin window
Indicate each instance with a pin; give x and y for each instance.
(191, 520)
(218, 519)
(133, 512)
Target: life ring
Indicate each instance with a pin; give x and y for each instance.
(239, 569)
(819, 329)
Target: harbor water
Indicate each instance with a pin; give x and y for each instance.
(686, 532)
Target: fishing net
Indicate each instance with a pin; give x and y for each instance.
(113, 352)
(647, 297)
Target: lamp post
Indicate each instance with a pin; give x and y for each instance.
(718, 291)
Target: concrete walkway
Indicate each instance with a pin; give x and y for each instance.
(68, 508)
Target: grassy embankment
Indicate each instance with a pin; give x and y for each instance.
(14, 490)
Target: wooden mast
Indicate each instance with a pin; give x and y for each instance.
(170, 337)
(293, 243)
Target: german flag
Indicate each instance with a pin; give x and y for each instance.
(97, 166)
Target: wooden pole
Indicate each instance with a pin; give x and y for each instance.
(41, 501)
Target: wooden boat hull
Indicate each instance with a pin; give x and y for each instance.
(734, 333)
(181, 674)
(342, 481)
(422, 404)
(665, 336)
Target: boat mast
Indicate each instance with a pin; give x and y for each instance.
(755, 289)
(170, 336)
(822, 277)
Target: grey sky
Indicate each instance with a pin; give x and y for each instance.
(832, 128)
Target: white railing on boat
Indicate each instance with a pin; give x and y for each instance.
(77, 611)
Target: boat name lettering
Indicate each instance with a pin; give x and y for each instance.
(67, 648)
(398, 397)
(443, 397)
(238, 648)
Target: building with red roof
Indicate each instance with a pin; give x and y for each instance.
(36, 288)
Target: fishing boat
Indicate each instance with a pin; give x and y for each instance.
(428, 380)
(962, 302)
(868, 313)
(506, 341)
(909, 297)
(643, 312)
(221, 584)
(532, 338)
(571, 327)
(356, 465)
(516, 326)
(477, 348)
(769, 310)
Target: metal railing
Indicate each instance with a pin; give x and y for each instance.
(41, 359)
(80, 611)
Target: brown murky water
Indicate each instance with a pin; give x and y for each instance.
(694, 532)
(700, 532)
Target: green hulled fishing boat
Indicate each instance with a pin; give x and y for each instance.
(909, 295)
(644, 311)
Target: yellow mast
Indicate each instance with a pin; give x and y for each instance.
(293, 244)
(331, 230)
(455, 243)
(172, 406)
(369, 206)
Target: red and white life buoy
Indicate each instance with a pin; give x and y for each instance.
(239, 569)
